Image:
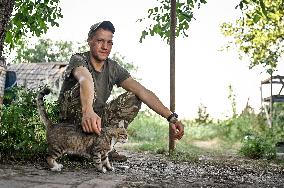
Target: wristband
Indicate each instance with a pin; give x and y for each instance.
(172, 118)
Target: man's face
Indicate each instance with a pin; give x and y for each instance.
(101, 44)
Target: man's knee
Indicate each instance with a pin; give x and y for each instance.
(125, 107)
(132, 100)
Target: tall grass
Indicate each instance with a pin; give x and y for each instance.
(245, 134)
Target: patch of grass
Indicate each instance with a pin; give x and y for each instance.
(148, 128)
(149, 132)
(156, 147)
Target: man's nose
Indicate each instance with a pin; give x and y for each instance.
(105, 45)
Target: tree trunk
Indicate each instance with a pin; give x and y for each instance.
(6, 8)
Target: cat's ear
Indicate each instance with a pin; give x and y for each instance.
(121, 124)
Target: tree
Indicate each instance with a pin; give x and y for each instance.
(6, 8)
(46, 50)
(30, 17)
(259, 33)
(160, 18)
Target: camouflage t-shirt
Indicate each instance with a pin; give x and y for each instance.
(112, 74)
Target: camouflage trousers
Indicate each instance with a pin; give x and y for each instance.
(124, 107)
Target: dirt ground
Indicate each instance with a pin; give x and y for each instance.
(147, 170)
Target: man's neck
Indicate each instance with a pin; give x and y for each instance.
(98, 65)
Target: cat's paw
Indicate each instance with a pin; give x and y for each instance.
(57, 168)
(101, 168)
(104, 170)
(109, 168)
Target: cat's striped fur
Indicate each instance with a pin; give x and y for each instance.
(66, 138)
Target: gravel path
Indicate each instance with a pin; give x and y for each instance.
(148, 170)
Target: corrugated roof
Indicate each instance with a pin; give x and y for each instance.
(33, 75)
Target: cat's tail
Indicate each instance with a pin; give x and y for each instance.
(41, 108)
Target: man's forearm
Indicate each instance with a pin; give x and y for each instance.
(86, 94)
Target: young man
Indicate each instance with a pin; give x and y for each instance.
(88, 82)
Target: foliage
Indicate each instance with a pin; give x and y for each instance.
(160, 17)
(21, 129)
(148, 127)
(203, 116)
(46, 50)
(31, 17)
(257, 147)
(259, 33)
(236, 128)
(19, 124)
(232, 98)
(150, 132)
(278, 121)
(243, 5)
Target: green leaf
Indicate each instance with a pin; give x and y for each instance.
(256, 18)
(263, 8)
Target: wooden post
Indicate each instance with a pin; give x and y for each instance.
(172, 71)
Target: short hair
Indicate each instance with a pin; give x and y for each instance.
(106, 25)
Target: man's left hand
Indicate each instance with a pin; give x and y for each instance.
(178, 130)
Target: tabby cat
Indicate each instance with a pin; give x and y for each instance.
(67, 138)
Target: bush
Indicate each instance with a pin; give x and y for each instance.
(21, 129)
(257, 147)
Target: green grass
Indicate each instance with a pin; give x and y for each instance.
(149, 132)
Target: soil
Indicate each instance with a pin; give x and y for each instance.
(146, 170)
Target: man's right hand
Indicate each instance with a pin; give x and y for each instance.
(91, 122)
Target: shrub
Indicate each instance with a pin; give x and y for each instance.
(21, 130)
(256, 147)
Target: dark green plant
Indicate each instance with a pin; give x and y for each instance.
(278, 121)
(258, 146)
(236, 128)
(21, 129)
(30, 18)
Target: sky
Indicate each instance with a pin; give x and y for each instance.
(203, 71)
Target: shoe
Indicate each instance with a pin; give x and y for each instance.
(115, 156)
